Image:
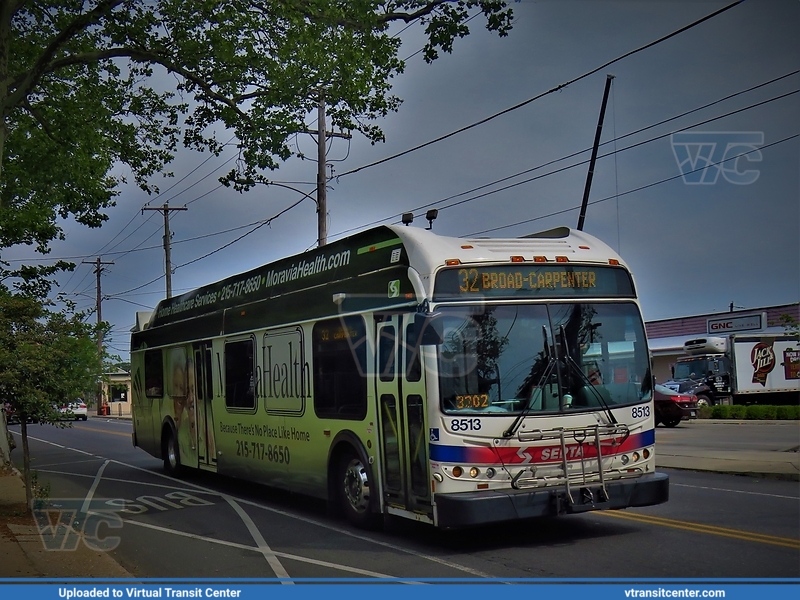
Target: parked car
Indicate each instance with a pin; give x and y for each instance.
(74, 410)
(672, 407)
(691, 386)
(11, 414)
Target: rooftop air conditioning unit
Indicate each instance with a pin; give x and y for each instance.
(709, 345)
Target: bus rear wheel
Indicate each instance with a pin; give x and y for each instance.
(172, 457)
(354, 490)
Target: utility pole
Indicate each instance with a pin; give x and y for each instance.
(590, 174)
(322, 175)
(98, 269)
(167, 239)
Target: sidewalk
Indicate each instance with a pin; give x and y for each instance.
(731, 446)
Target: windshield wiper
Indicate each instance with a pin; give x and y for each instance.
(577, 368)
(551, 363)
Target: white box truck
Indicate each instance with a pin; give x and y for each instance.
(741, 369)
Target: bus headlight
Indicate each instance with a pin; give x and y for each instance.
(457, 471)
(490, 472)
(473, 472)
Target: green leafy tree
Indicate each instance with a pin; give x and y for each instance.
(791, 325)
(96, 92)
(93, 92)
(46, 358)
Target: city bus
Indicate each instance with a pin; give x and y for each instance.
(455, 382)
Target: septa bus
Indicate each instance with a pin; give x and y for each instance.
(451, 381)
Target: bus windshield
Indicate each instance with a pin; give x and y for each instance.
(556, 357)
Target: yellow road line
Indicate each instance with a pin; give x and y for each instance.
(747, 536)
(127, 435)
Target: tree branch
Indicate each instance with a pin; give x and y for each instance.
(408, 17)
(25, 84)
(144, 56)
(39, 119)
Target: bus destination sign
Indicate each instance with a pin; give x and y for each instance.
(541, 281)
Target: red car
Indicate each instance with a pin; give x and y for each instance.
(673, 407)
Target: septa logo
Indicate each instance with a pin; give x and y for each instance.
(762, 357)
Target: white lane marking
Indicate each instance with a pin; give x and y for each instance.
(19, 433)
(263, 547)
(713, 489)
(68, 462)
(332, 528)
(128, 481)
(87, 502)
(295, 557)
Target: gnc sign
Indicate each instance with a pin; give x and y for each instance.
(737, 323)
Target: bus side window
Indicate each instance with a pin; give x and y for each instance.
(413, 363)
(386, 353)
(239, 376)
(153, 374)
(340, 359)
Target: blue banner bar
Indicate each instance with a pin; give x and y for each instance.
(396, 589)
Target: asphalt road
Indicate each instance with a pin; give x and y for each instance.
(715, 525)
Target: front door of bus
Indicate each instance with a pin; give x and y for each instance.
(401, 393)
(204, 393)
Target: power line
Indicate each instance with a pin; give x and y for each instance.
(572, 155)
(631, 191)
(267, 222)
(261, 224)
(543, 94)
(173, 186)
(506, 178)
(577, 164)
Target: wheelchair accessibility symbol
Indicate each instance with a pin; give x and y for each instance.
(434, 434)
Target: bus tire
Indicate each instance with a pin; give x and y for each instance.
(171, 453)
(353, 488)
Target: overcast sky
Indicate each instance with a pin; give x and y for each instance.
(693, 248)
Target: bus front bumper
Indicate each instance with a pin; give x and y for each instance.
(468, 509)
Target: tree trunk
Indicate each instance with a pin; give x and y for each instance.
(26, 460)
(5, 447)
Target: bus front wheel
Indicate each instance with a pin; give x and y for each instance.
(353, 487)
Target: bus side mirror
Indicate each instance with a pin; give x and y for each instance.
(427, 330)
